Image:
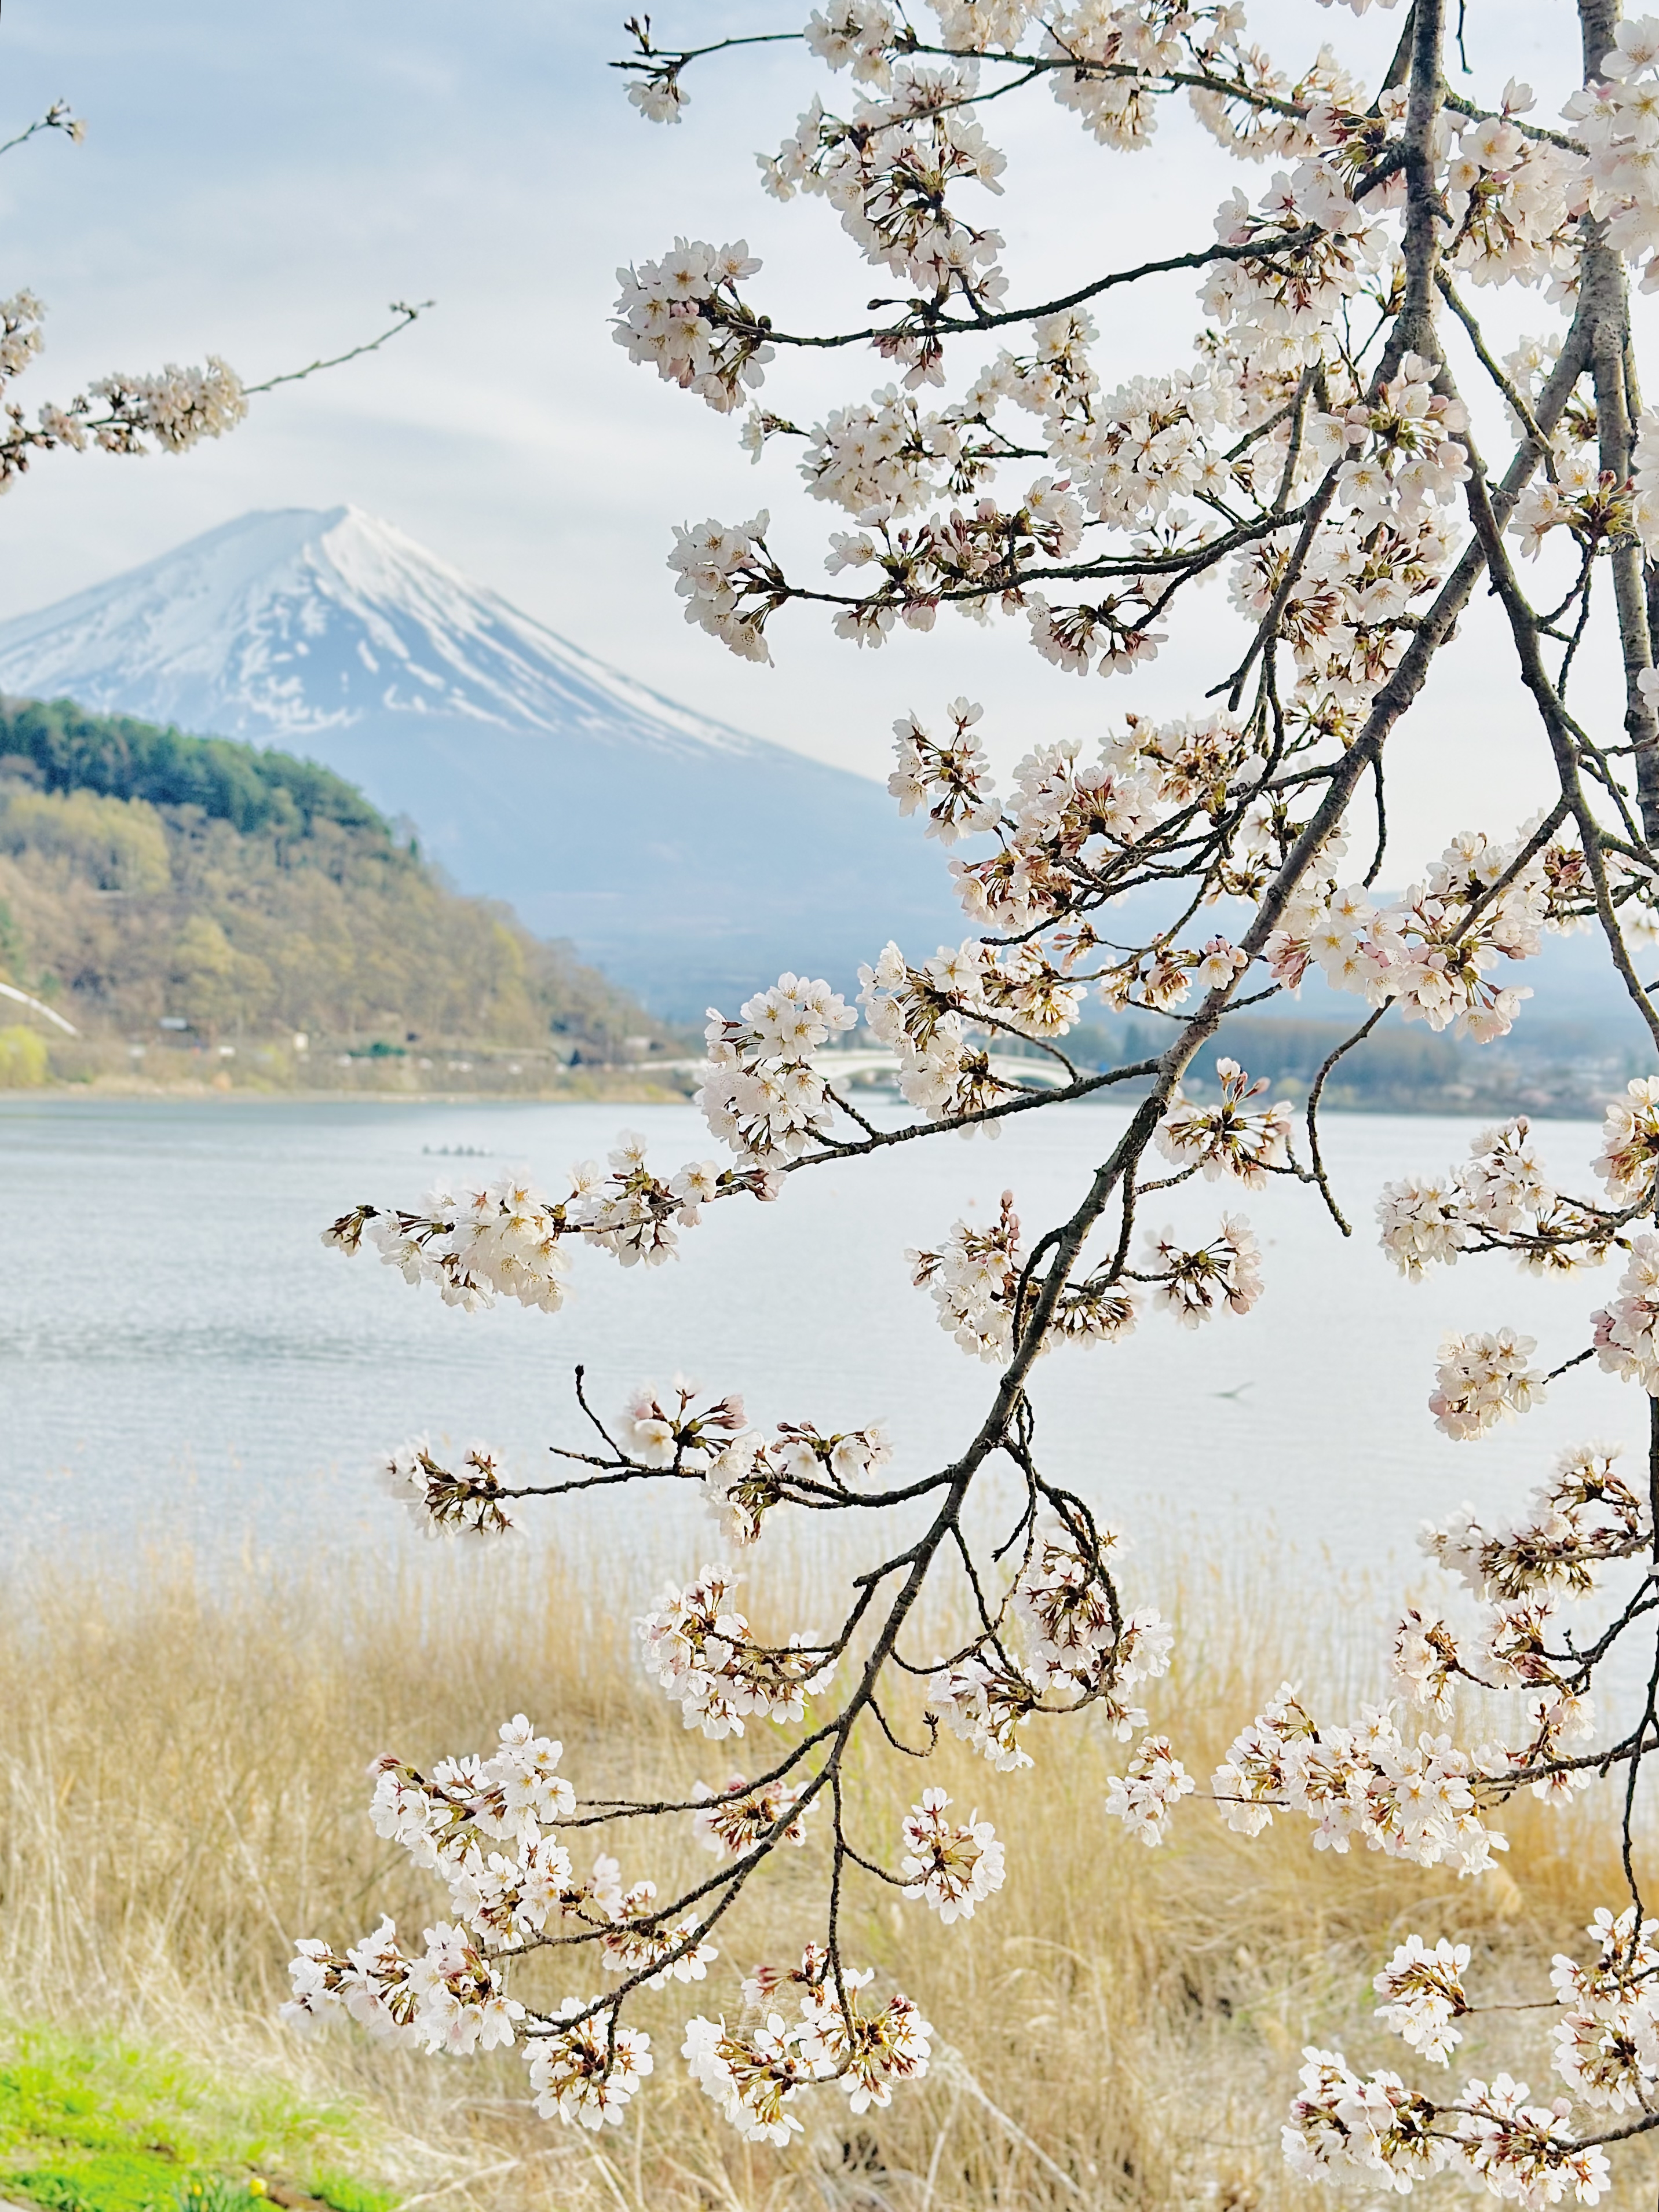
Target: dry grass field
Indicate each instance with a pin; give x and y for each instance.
(182, 1793)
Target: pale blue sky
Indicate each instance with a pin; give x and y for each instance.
(260, 184)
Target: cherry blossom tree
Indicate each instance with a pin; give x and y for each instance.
(1318, 453)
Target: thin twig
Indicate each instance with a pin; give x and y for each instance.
(405, 315)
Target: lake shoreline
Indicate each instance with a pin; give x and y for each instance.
(624, 1093)
(616, 1088)
(604, 1089)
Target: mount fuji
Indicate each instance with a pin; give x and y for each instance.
(690, 861)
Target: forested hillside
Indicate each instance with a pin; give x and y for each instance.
(178, 894)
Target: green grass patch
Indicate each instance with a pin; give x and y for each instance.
(94, 2125)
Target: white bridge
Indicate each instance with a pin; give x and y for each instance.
(873, 1068)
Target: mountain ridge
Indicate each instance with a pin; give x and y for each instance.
(689, 860)
(244, 575)
(167, 896)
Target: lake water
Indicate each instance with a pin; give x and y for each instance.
(183, 1362)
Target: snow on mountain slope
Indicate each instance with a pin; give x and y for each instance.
(285, 624)
(690, 859)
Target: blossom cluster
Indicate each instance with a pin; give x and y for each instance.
(1074, 831)
(588, 2073)
(959, 559)
(1499, 1198)
(729, 582)
(489, 1827)
(1422, 1992)
(1079, 1639)
(948, 778)
(753, 2074)
(938, 1019)
(668, 1429)
(763, 1095)
(444, 1997)
(1344, 613)
(982, 1700)
(1080, 1648)
(1585, 1513)
(1317, 250)
(1585, 499)
(752, 1474)
(21, 336)
(176, 409)
(1345, 2125)
(509, 1239)
(1412, 1801)
(1626, 1329)
(1229, 1138)
(1629, 1160)
(1482, 1379)
(974, 1280)
(1614, 117)
(734, 1819)
(683, 317)
(1430, 951)
(171, 411)
(700, 1648)
(881, 460)
(1145, 1798)
(888, 171)
(1194, 1284)
(953, 1864)
(1400, 449)
(443, 1502)
(1606, 2049)
(1514, 199)
(1134, 452)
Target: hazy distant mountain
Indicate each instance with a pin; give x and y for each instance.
(690, 861)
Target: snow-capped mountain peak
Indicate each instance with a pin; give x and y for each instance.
(693, 862)
(286, 623)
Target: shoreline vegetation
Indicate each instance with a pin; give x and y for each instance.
(182, 911)
(191, 916)
(1561, 1071)
(182, 1793)
(597, 1085)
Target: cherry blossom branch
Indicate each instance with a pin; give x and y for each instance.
(406, 316)
(1327, 473)
(929, 316)
(1561, 732)
(57, 116)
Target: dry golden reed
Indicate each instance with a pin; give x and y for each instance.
(182, 1793)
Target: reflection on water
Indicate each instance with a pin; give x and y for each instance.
(179, 1351)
